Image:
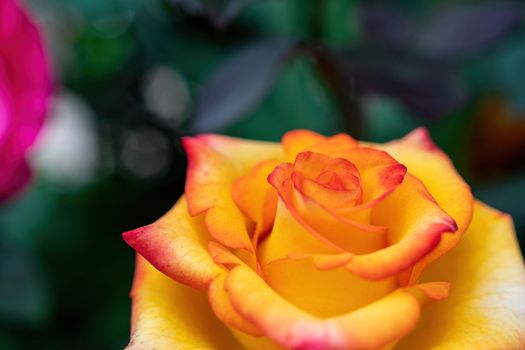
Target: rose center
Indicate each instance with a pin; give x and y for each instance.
(332, 182)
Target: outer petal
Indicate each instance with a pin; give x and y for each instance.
(167, 315)
(222, 307)
(298, 141)
(374, 326)
(214, 164)
(431, 165)
(177, 245)
(486, 308)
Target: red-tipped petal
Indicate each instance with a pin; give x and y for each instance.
(214, 163)
(176, 244)
(169, 315)
(434, 168)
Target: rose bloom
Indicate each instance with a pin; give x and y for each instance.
(326, 243)
(25, 87)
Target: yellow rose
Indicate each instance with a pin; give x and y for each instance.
(326, 243)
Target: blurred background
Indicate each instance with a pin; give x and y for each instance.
(134, 76)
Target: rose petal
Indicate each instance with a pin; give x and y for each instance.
(227, 258)
(380, 175)
(323, 293)
(255, 343)
(297, 141)
(352, 236)
(222, 255)
(486, 308)
(432, 166)
(339, 234)
(169, 315)
(334, 143)
(378, 324)
(288, 236)
(332, 182)
(176, 244)
(214, 164)
(256, 198)
(415, 224)
(223, 309)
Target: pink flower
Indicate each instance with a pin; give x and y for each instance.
(25, 87)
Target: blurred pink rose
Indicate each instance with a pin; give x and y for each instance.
(25, 87)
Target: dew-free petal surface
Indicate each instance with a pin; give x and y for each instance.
(297, 141)
(431, 165)
(256, 198)
(214, 163)
(374, 326)
(416, 224)
(323, 293)
(167, 315)
(222, 307)
(177, 245)
(486, 306)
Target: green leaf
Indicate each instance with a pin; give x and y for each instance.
(340, 23)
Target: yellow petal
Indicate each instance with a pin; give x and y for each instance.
(374, 326)
(167, 315)
(255, 343)
(177, 245)
(332, 182)
(256, 198)
(486, 306)
(329, 230)
(221, 305)
(297, 141)
(380, 174)
(289, 236)
(214, 162)
(432, 166)
(416, 226)
(323, 293)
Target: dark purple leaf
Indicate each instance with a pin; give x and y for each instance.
(219, 12)
(460, 31)
(240, 84)
(385, 24)
(428, 89)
